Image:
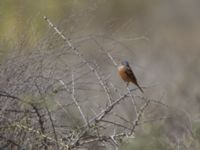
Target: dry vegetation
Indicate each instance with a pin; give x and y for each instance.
(63, 92)
(48, 102)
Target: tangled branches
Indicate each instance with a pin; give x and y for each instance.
(58, 98)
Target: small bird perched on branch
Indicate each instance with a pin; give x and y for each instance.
(127, 74)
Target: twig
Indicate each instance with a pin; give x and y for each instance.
(97, 138)
(133, 101)
(75, 101)
(4, 94)
(75, 50)
(99, 117)
(124, 119)
(42, 122)
(103, 113)
(154, 120)
(139, 115)
(153, 101)
(20, 126)
(53, 127)
(9, 142)
(116, 124)
(108, 54)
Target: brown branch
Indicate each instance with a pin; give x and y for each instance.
(4, 94)
(41, 123)
(50, 118)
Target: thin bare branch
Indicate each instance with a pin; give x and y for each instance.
(76, 102)
(76, 51)
(139, 116)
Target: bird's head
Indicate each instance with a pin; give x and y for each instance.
(125, 63)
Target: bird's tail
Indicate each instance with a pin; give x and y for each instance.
(140, 88)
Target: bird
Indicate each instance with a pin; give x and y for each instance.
(127, 74)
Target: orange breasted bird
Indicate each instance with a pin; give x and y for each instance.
(127, 74)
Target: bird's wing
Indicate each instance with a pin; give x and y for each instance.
(131, 75)
(133, 79)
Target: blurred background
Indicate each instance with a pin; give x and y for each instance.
(160, 39)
